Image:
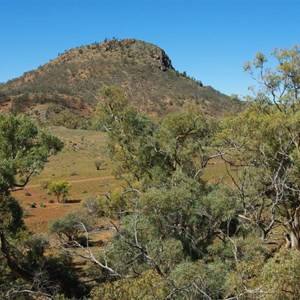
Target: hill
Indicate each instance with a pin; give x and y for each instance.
(69, 84)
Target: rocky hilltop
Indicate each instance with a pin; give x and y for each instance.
(70, 83)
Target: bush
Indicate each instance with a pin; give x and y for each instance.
(60, 189)
(281, 275)
(98, 164)
(71, 227)
(93, 206)
(111, 205)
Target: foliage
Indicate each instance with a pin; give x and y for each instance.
(53, 274)
(150, 150)
(71, 120)
(93, 207)
(23, 150)
(173, 215)
(148, 286)
(264, 140)
(71, 227)
(11, 215)
(208, 241)
(27, 272)
(60, 189)
(281, 275)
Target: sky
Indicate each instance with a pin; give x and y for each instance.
(208, 39)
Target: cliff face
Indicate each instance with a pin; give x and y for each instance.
(71, 82)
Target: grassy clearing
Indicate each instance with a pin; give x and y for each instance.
(75, 164)
(77, 160)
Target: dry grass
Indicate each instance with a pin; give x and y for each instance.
(75, 164)
(77, 160)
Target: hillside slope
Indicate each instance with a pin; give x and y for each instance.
(71, 82)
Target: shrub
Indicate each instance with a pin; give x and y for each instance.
(71, 227)
(60, 189)
(98, 164)
(93, 206)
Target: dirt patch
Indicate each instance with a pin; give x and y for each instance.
(39, 211)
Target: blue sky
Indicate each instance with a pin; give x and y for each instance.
(210, 40)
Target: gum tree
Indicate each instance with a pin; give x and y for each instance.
(24, 150)
(266, 140)
(172, 215)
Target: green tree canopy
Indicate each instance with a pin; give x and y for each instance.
(264, 143)
(60, 189)
(24, 150)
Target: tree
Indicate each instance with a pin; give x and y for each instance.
(60, 189)
(172, 215)
(24, 150)
(167, 158)
(154, 150)
(264, 142)
(71, 227)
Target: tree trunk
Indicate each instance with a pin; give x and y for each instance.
(294, 230)
(294, 240)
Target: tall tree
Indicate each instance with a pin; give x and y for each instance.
(172, 215)
(24, 150)
(148, 148)
(265, 139)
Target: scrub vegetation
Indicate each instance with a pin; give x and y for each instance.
(196, 208)
(65, 91)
